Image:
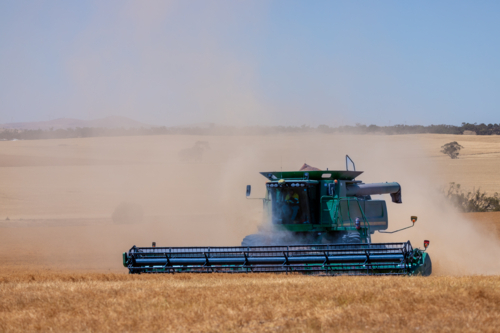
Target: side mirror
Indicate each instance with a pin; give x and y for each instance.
(249, 190)
(413, 220)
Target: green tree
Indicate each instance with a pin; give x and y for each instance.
(451, 149)
(475, 201)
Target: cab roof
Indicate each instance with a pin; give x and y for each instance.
(313, 175)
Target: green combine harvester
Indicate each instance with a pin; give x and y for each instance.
(322, 222)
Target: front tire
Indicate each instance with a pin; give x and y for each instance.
(427, 265)
(255, 240)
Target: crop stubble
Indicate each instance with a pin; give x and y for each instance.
(247, 303)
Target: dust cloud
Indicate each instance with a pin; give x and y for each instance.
(60, 212)
(57, 196)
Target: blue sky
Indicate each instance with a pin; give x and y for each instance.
(251, 62)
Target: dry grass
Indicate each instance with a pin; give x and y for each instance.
(44, 301)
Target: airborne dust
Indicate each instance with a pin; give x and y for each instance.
(59, 196)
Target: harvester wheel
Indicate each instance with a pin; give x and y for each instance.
(427, 265)
(255, 240)
(351, 237)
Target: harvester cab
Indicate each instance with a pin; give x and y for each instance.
(321, 223)
(323, 207)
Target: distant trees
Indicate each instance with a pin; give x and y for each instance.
(451, 149)
(475, 201)
(482, 129)
(86, 132)
(195, 153)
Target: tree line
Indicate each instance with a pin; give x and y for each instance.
(472, 201)
(86, 132)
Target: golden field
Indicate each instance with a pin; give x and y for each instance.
(96, 302)
(61, 265)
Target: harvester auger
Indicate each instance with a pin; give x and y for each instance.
(322, 222)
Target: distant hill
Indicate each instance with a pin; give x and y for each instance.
(63, 123)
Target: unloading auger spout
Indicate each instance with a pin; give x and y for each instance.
(322, 222)
(360, 190)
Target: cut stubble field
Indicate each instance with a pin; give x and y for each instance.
(61, 254)
(94, 302)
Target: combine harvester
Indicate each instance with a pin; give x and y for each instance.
(322, 222)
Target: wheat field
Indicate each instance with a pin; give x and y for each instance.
(95, 302)
(61, 252)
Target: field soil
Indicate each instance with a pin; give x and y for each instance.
(61, 251)
(490, 220)
(478, 163)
